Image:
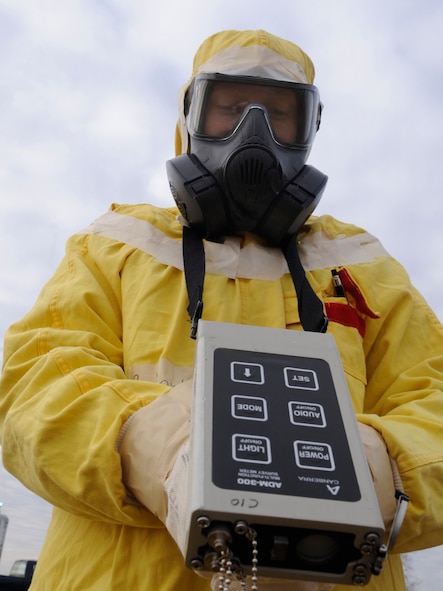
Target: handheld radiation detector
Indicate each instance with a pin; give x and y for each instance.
(276, 460)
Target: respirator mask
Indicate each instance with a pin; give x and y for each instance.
(245, 171)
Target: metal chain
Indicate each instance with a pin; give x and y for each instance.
(225, 571)
(251, 535)
(254, 568)
(221, 574)
(228, 577)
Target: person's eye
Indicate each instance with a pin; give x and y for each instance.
(234, 109)
(279, 114)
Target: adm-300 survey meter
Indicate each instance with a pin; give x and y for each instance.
(276, 460)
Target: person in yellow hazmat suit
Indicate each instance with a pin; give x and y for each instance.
(95, 392)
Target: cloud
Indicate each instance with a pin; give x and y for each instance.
(88, 110)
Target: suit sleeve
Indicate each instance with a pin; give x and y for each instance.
(64, 394)
(404, 398)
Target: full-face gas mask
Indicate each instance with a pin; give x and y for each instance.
(245, 171)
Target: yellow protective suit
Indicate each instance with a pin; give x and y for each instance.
(110, 333)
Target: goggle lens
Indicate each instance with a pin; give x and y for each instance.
(218, 106)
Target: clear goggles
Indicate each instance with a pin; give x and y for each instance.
(216, 105)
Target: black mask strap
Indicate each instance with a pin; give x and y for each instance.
(310, 307)
(194, 266)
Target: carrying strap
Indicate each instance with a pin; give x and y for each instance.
(194, 266)
(310, 307)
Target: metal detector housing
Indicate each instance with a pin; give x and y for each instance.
(275, 448)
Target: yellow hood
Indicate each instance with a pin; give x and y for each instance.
(252, 53)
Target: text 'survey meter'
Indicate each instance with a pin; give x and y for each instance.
(275, 450)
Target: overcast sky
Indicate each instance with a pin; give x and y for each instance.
(87, 115)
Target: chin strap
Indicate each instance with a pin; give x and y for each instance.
(310, 307)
